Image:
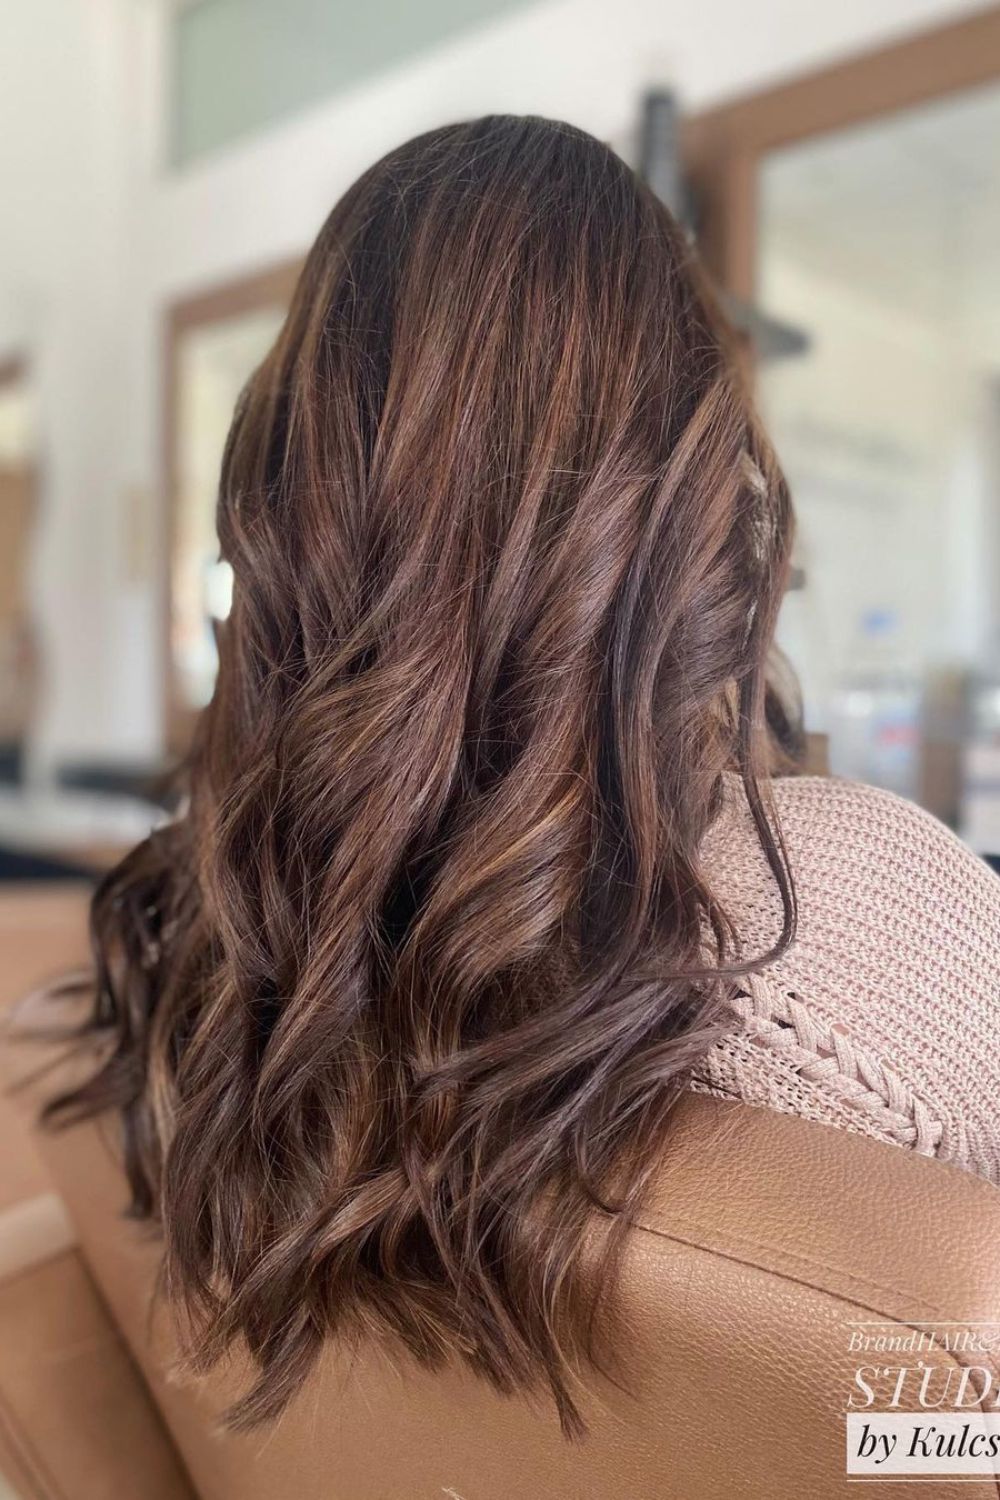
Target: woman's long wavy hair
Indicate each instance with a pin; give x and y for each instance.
(396, 1009)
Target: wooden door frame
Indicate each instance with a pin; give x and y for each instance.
(215, 304)
(723, 147)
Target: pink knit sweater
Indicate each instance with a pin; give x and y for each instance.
(884, 1016)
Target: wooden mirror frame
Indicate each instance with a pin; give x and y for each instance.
(723, 148)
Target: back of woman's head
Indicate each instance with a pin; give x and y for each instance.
(397, 1008)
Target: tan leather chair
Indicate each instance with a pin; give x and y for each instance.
(76, 1420)
(765, 1240)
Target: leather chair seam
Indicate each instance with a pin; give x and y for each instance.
(783, 1260)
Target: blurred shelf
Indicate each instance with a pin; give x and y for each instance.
(79, 830)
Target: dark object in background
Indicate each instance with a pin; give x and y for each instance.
(149, 782)
(17, 866)
(660, 168)
(659, 154)
(11, 763)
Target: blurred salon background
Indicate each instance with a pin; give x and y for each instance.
(164, 165)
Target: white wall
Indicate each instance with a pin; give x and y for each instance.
(103, 237)
(64, 262)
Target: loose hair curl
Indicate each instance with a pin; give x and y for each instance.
(398, 1006)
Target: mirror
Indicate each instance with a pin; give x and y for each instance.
(880, 243)
(214, 343)
(214, 363)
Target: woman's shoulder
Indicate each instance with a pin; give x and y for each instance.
(852, 811)
(896, 952)
(855, 848)
(874, 857)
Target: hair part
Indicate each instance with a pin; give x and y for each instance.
(395, 1011)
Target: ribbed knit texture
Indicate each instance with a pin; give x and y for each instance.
(884, 1016)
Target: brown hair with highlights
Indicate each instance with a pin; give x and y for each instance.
(396, 1009)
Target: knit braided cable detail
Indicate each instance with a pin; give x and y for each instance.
(778, 1019)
